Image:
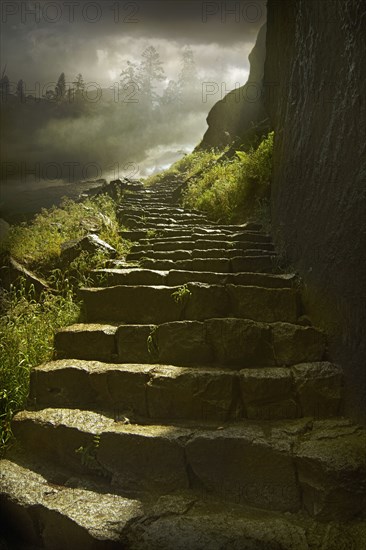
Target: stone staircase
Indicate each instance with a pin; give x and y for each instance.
(196, 408)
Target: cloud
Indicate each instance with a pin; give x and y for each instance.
(35, 48)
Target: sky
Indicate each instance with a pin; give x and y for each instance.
(41, 39)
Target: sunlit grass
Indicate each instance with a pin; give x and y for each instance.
(186, 167)
(27, 327)
(234, 189)
(38, 244)
(28, 322)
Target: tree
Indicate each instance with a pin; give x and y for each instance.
(130, 84)
(171, 94)
(20, 90)
(188, 77)
(60, 89)
(79, 86)
(4, 87)
(151, 72)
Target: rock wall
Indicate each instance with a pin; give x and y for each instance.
(315, 84)
(241, 113)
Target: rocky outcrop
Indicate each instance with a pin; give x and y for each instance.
(315, 77)
(241, 113)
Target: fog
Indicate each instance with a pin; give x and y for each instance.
(114, 125)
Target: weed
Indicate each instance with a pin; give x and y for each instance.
(88, 457)
(151, 344)
(181, 295)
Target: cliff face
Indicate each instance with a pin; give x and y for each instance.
(242, 109)
(315, 84)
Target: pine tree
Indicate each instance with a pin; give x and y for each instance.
(60, 89)
(188, 77)
(130, 83)
(171, 94)
(20, 90)
(4, 87)
(79, 86)
(151, 72)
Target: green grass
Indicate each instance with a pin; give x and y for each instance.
(186, 167)
(27, 327)
(38, 244)
(28, 322)
(237, 189)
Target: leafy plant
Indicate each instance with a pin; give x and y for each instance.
(181, 295)
(88, 456)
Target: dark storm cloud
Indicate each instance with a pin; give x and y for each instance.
(194, 20)
(40, 38)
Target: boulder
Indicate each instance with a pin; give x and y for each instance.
(91, 244)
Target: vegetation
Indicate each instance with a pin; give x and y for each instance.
(187, 167)
(28, 322)
(234, 189)
(181, 295)
(38, 244)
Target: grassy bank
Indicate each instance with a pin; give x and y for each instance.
(27, 322)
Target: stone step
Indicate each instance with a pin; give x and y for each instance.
(154, 236)
(40, 512)
(136, 276)
(165, 212)
(258, 264)
(169, 210)
(177, 220)
(235, 343)
(201, 244)
(193, 301)
(146, 393)
(179, 254)
(285, 465)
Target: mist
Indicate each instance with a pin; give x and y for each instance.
(121, 121)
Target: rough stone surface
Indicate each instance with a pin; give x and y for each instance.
(243, 465)
(91, 243)
(296, 344)
(268, 394)
(91, 341)
(319, 388)
(316, 103)
(240, 110)
(182, 343)
(326, 459)
(89, 519)
(133, 344)
(240, 342)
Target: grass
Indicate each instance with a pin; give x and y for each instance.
(234, 190)
(28, 322)
(187, 167)
(27, 327)
(38, 244)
